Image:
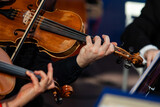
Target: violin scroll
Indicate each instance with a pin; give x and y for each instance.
(135, 58)
(67, 91)
(61, 92)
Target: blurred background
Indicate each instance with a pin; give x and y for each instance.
(101, 17)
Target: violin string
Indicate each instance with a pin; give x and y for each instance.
(66, 29)
(58, 26)
(51, 27)
(48, 21)
(54, 25)
(59, 31)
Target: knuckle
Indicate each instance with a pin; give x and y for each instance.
(89, 49)
(112, 50)
(39, 90)
(107, 44)
(97, 38)
(40, 71)
(47, 78)
(95, 51)
(102, 53)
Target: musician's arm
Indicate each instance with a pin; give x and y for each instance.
(31, 90)
(68, 70)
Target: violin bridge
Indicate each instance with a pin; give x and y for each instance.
(26, 17)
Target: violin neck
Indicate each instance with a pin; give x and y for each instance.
(15, 70)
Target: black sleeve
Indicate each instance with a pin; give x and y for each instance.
(67, 70)
(140, 32)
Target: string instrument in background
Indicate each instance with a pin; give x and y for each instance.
(148, 83)
(9, 72)
(58, 33)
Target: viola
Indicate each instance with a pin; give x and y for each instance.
(7, 82)
(5, 68)
(9, 73)
(58, 92)
(59, 33)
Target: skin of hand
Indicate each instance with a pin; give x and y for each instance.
(94, 51)
(31, 90)
(149, 55)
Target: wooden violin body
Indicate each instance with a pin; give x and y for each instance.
(53, 44)
(55, 33)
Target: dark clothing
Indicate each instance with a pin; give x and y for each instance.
(65, 71)
(145, 29)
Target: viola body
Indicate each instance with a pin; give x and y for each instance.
(13, 27)
(9, 71)
(7, 82)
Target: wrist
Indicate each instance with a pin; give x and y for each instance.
(81, 62)
(9, 103)
(12, 102)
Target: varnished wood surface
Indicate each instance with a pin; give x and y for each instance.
(77, 6)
